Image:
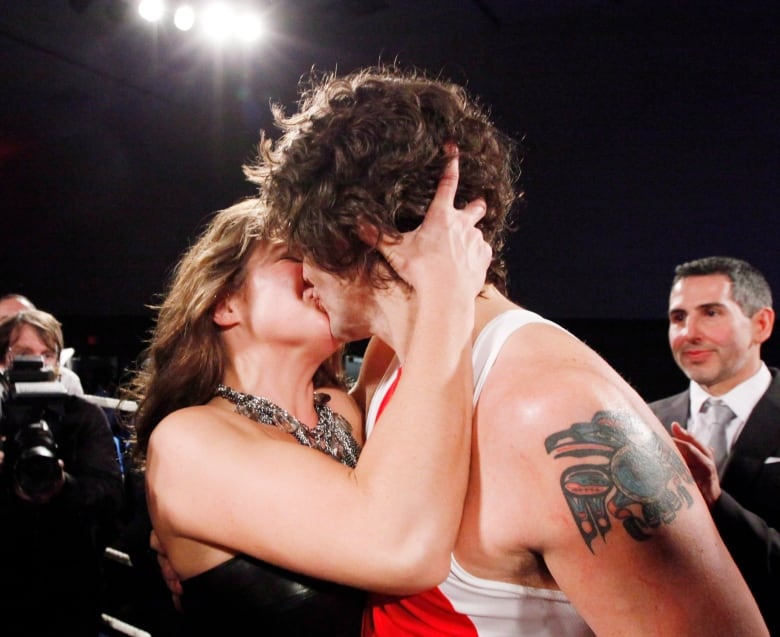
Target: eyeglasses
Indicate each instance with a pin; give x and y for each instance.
(50, 359)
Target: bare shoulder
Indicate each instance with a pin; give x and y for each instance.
(183, 440)
(544, 369)
(601, 460)
(188, 423)
(191, 444)
(586, 477)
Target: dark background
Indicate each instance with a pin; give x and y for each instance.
(651, 132)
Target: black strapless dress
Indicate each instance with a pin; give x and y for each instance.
(252, 597)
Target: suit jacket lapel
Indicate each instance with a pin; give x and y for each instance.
(674, 409)
(761, 433)
(760, 437)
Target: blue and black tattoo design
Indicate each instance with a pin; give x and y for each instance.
(630, 475)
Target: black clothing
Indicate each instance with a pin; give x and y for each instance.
(747, 514)
(51, 554)
(245, 595)
(139, 594)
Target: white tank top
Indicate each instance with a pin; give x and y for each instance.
(465, 605)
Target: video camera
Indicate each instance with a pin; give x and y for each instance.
(32, 397)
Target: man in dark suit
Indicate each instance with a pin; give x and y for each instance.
(720, 313)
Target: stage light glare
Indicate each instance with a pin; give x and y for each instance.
(249, 27)
(184, 17)
(218, 21)
(151, 10)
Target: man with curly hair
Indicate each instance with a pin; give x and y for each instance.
(580, 517)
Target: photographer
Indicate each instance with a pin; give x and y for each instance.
(54, 524)
(11, 304)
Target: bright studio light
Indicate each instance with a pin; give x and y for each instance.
(249, 27)
(151, 10)
(221, 21)
(218, 21)
(184, 17)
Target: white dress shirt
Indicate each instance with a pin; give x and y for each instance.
(741, 399)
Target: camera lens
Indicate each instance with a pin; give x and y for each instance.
(37, 471)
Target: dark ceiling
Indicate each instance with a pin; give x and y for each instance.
(651, 129)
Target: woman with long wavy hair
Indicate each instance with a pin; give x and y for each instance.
(253, 481)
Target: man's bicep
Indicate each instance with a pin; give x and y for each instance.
(618, 476)
(612, 509)
(636, 530)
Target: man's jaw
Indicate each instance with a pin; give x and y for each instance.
(697, 364)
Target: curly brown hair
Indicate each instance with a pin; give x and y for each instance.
(370, 148)
(185, 357)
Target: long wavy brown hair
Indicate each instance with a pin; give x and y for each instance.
(185, 358)
(370, 147)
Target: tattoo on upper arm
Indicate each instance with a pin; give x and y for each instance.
(628, 474)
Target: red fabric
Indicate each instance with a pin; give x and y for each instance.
(428, 614)
(388, 394)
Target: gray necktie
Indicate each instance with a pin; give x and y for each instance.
(717, 414)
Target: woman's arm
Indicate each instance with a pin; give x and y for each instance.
(389, 524)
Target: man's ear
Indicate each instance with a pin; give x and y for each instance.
(225, 312)
(763, 321)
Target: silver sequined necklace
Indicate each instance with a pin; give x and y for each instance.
(332, 435)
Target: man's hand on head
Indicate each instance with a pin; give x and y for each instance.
(447, 236)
